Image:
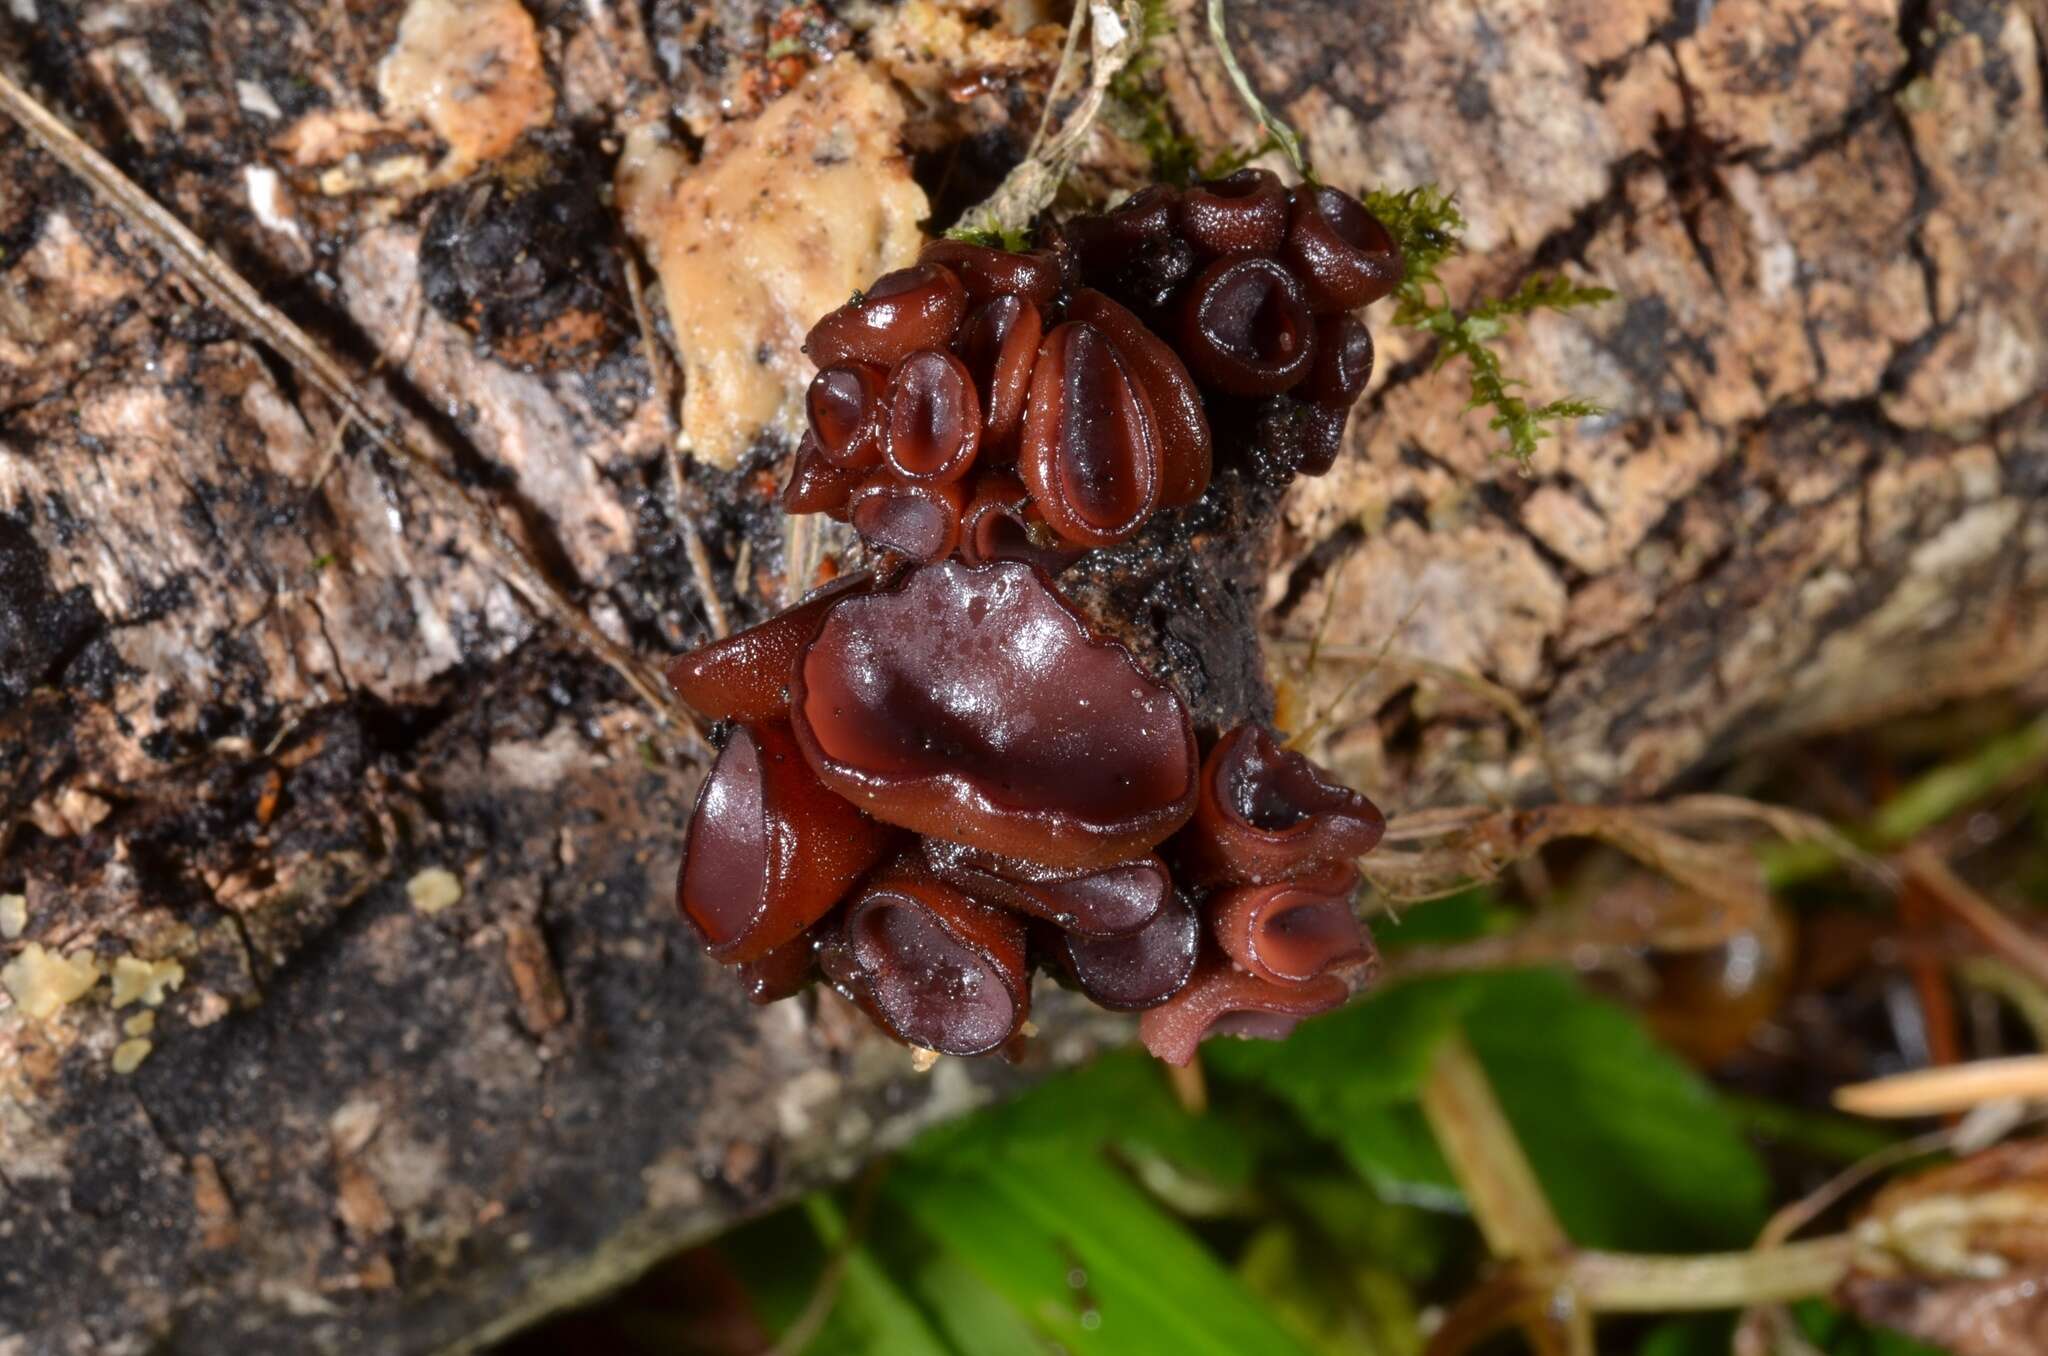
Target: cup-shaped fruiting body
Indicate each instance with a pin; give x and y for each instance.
(1245, 327)
(844, 406)
(1141, 969)
(970, 703)
(815, 484)
(987, 272)
(1000, 523)
(1343, 362)
(1243, 213)
(935, 968)
(1181, 425)
(917, 519)
(1292, 930)
(933, 428)
(1090, 453)
(1266, 813)
(1107, 901)
(770, 849)
(999, 344)
(912, 308)
(745, 676)
(1344, 255)
(1221, 1001)
(783, 972)
(1321, 429)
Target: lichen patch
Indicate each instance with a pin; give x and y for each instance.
(433, 890)
(146, 982)
(42, 983)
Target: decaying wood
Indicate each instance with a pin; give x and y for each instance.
(243, 703)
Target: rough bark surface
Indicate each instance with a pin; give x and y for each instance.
(252, 686)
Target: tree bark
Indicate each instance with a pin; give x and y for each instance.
(257, 688)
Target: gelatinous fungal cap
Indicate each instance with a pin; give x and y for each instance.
(1267, 813)
(1090, 451)
(912, 308)
(1292, 930)
(917, 519)
(1344, 255)
(1222, 1001)
(1245, 327)
(971, 704)
(745, 676)
(770, 850)
(936, 968)
(1243, 213)
(1107, 901)
(1141, 969)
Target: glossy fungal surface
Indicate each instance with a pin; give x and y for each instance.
(999, 345)
(934, 967)
(1243, 213)
(1141, 969)
(902, 312)
(1292, 930)
(1106, 901)
(770, 849)
(933, 426)
(815, 484)
(844, 406)
(1220, 1000)
(1343, 362)
(1266, 813)
(987, 272)
(745, 676)
(1182, 427)
(1090, 453)
(919, 520)
(1344, 255)
(999, 523)
(971, 704)
(1245, 327)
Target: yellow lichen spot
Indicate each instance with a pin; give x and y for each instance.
(141, 1024)
(13, 916)
(42, 982)
(128, 1055)
(433, 889)
(146, 982)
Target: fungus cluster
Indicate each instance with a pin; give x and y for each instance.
(935, 780)
(934, 786)
(1035, 404)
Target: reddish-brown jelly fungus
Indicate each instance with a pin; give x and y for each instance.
(1090, 453)
(770, 849)
(971, 704)
(746, 675)
(1140, 969)
(1342, 253)
(934, 967)
(1245, 213)
(904, 311)
(1245, 327)
(1266, 813)
(844, 405)
(917, 519)
(987, 273)
(1108, 901)
(1292, 930)
(1220, 1000)
(1181, 426)
(1000, 523)
(934, 422)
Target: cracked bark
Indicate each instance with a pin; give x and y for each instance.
(1822, 495)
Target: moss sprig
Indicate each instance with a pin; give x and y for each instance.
(1431, 229)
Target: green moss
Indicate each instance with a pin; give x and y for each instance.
(1430, 229)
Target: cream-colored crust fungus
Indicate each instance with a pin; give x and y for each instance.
(783, 218)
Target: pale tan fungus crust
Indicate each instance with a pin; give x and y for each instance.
(780, 221)
(471, 71)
